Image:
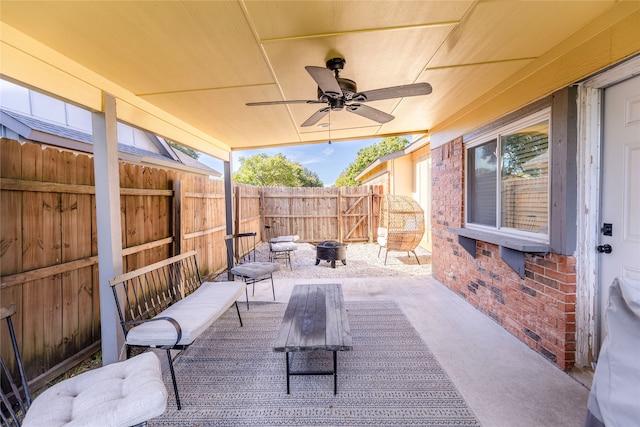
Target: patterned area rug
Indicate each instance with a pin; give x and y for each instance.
(231, 376)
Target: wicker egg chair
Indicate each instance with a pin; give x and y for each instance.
(401, 225)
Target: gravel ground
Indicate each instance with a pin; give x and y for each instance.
(362, 261)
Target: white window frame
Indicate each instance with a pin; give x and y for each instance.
(530, 120)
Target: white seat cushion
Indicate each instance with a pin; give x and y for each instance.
(120, 394)
(281, 239)
(284, 246)
(253, 270)
(382, 236)
(195, 313)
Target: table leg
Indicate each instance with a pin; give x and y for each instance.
(335, 373)
(287, 357)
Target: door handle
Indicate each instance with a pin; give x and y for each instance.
(606, 249)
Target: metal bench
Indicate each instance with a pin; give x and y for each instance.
(165, 305)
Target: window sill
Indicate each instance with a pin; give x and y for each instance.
(512, 249)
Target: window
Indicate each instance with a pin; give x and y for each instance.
(508, 179)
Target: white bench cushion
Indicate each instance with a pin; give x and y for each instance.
(120, 394)
(253, 270)
(195, 313)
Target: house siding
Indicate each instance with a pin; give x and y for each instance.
(382, 179)
(538, 309)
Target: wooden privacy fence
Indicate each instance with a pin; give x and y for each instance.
(48, 237)
(347, 214)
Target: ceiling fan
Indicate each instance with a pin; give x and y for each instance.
(338, 93)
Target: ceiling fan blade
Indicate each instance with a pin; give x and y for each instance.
(370, 113)
(315, 117)
(393, 92)
(326, 80)
(297, 101)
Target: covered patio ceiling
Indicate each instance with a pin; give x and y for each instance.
(186, 69)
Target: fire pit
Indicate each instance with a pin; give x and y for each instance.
(331, 250)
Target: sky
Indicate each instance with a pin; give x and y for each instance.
(326, 160)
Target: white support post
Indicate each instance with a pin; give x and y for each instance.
(107, 177)
(228, 202)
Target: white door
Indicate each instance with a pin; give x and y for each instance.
(620, 192)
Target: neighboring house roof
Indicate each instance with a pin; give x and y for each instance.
(414, 145)
(34, 129)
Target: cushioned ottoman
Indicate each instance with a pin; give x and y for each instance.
(121, 394)
(255, 270)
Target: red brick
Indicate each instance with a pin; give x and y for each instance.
(549, 314)
(565, 268)
(560, 277)
(535, 268)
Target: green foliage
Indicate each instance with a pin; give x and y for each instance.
(368, 155)
(188, 151)
(265, 171)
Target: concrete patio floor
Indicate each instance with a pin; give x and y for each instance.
(504, 382)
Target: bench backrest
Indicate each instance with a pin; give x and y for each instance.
(144, 293)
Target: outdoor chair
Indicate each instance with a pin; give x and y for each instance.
(280, 247)
(401, 225)
(121, 394)
(241, 262)
(278, 236)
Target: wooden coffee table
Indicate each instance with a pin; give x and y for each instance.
(315, 319)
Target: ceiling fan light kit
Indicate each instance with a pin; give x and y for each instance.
(340, 93)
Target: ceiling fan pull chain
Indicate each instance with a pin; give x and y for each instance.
(329, 126)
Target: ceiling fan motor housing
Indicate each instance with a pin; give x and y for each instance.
(348, 87)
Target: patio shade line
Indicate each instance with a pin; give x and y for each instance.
(205, 89)
(366, 30)
(473, 64)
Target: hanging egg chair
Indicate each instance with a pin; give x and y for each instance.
(401, 225)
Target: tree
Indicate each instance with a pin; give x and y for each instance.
(368, 155)
(262, 170)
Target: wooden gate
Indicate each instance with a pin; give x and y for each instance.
(356, 214)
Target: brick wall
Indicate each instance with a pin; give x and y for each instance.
(539, 309)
